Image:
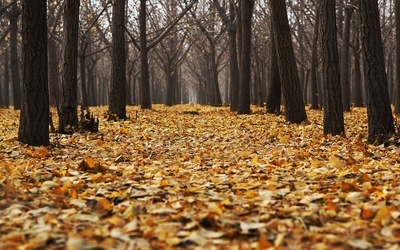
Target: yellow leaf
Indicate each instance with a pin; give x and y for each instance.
(335, 162)
(382, 215)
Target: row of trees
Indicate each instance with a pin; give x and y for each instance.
(238, 52)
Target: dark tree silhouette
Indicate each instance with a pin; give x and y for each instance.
(293, 101)
(274, 87)
(380, 119)
(245, 67)
(68, 117)
(397, 21)
(117, 98)
(34, 119)
(333, 109)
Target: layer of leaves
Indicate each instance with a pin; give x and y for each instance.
(204, 179)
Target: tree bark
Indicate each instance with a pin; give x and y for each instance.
(314, 63)
(117, 96)
(245, 76)
(6, 78)
(34, 119)
(274, 87)
(294, 105)
(145, 98)
(380, 119)
(333, 109)
(15, 77)
(397, 87)
(68, 117)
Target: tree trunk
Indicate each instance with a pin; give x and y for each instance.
(245, 76)
(54, 80)
(34, 118)
(117, 98)
(145, 98)
(397, 87)
(274, 87)
(6, 78)
(314, 63)
(333, 109)
(357, 85)
(233, 60)
(380, 119)
(68, 117)
(294, 106)
(344, 62)
(15, 77)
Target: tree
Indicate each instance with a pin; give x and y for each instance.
(13, 16)
(230, 23)
(245, 67)
(333, 109)
(68, 117)
(274, 88)
(314, 62)
(34, 119)
(117, 98)
(380, 119)
(397, 22)
(294, 106)
(344, 62)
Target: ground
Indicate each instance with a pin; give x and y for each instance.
(194, 177)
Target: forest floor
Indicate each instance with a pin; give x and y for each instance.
(206, 179)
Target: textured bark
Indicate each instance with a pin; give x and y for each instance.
(15, 77)
(34, 118)
(380, 119)
(145, 98)
(233, 60)
(357, 85)
(344, 62)
(245, 76)
(54, 79)
(68, 117)
(314, 63)
(333, 109)
(294, 105)
(6, 79)
(274, 87)
(117, 98)
(397, 88)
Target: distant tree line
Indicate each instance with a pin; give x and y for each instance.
(285, 55)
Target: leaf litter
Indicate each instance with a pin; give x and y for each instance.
(167, 178)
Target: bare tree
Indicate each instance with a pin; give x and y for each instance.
(333, 110)
(34, 118)
(245, 67)
(294, 105)
(380, 119)
(397, 18)
(68, 117)
(117, 98)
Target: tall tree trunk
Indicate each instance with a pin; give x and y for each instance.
(333, 109)
(380, 119)
(15, 77)
(274, 86)
(117, 98)
(233, 59)
(357, 85)
(68, 117)
(344, 62)
(294, 105)
(54, 80)
(6, 78)
(314, 62)
(245, 76)
(145, 98)
(34, 118)
(397, 87)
